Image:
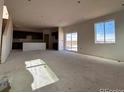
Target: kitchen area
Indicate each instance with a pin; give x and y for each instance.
(35, 40)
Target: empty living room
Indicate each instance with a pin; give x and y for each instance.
(61, 45)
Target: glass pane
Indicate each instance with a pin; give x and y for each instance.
(68, 37)
(74, 36)
(74, 49)
(99, 32)
(110, 32)
(74, 41)
(68, 41)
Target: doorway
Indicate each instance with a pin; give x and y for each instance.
(46, 40)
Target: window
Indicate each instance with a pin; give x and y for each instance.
(71, 41)
(105, 32)
(5, 13)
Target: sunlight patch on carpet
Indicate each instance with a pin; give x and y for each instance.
(41, 73)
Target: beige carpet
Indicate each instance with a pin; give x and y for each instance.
(75, 72)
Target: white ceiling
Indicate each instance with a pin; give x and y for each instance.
(50, 13)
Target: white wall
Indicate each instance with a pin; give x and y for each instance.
(7, 41)
(86, 37)
(61, 38)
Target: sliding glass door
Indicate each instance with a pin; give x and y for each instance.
(71, 41)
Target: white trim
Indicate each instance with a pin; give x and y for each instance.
(104, 42)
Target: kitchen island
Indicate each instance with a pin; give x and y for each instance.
(30, 46)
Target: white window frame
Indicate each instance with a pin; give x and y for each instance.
(104, 42)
